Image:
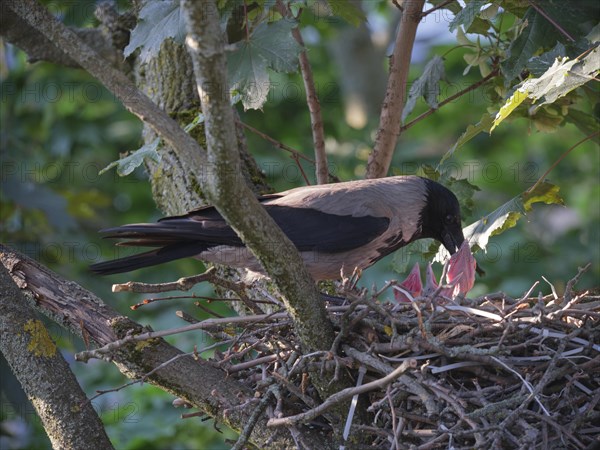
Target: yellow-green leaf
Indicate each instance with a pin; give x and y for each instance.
(515, 100)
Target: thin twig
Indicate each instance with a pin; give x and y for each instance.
(276, 143)
(444, 102)
(527, 385)
(182, 284)
(252, 420)
(435, 8)
(306, 180)
(312, 100)
(587, 138)
(572, 282)
(551, 20)
(344, 395)
(208, 323)
(186, 283)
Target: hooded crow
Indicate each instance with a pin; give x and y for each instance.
(336, 227)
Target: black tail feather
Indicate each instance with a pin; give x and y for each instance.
(161, 255)
(216, 231)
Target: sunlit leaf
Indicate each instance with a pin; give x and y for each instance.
(563, 76)
(543, 193)
(515, 100)
(540, 64)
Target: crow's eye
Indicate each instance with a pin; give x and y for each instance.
(450, 218)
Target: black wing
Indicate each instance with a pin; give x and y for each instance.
(190, 234)
(307, 228)
(310, 229)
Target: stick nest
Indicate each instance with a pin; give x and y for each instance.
(488, 372)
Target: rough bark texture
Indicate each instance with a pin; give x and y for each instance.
(235, 201)
(67, 415)
(168, 80)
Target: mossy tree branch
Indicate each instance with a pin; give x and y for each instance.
(222, 184)
(68, 417)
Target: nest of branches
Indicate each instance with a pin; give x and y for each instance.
(491, 372)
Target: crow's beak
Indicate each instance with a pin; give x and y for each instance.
(452, 241)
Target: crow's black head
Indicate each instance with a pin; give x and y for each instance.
(440, 219)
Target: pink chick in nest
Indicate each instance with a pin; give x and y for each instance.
(460, 277)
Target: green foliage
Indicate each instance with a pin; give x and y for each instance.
(559, 80)
(128, 164)
(467, 15)
(507, 215)
(260, 37)
(157, 21)
(572, 20)
(269, 46)
(496, 222)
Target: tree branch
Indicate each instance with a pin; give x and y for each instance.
(231, 196)
(453, 97)
(395, 96)
(19, 33)
(312, 99)
(86, 315)
(41, 369)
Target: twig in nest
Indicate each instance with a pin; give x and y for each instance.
(208, 323)
(252, 420)
(526, 383)
(572, 282)
(186, 283)
(183, 284)
(344, 395)
(157, 368)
